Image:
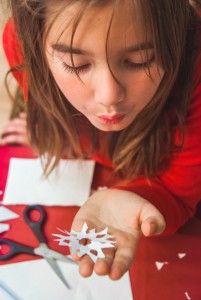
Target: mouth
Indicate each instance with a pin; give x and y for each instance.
(114, 119)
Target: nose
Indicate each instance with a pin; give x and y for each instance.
(108, 91)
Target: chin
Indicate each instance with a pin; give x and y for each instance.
(109, 128)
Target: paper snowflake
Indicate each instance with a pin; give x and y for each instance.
(96, 242)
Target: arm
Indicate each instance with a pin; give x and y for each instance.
(16, 129)
(14, 55)
(177, 191)
(160, 206)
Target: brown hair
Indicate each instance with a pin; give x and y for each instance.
(146, 145)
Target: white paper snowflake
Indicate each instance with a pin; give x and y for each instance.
(96, 242)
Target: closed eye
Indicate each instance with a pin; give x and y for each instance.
(128, 64)
(138, 66)
(76, 70)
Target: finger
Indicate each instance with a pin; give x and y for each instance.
(123, 260)
(16, 122)
(75, 257)
(23, 115)
(15, 127)
(86, 266)
(103, 265)
(152, 221)
(14, 139)
(153, 225)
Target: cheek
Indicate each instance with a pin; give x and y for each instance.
(146, 87)
(67, 83)
(70, 87)
(73, 94)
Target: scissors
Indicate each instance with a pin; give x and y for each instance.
(42, 250)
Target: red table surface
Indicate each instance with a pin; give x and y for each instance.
(179, 278)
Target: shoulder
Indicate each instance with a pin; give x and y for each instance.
(195, 106)
(11, 44)
(194, 110)
(14, 54)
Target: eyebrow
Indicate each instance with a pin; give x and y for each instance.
(63, 48)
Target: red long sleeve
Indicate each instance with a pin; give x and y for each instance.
(177, 192)
(14, 55)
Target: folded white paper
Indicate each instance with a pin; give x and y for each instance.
(3, 228)
(40, 282)
(7, 214)
(69, 184)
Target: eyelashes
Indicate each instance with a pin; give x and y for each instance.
(127, 64)
(139, 66)
(76, 70)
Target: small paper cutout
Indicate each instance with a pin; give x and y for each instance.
(160, 265)
(7, 214)
(181, 255)
(102, 188)
(187, 296)
(97, 242)
(4, 227)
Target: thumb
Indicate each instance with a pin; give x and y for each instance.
(152, 221)
(152, 226)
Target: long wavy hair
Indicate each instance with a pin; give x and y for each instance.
(147, 144)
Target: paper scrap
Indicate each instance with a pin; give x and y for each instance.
(102, 188)
(1, 192)
(97, 241)
(160, 265)
(69, 184)
(3, 228)
(187, 296)
(181, 255)
(7, 214)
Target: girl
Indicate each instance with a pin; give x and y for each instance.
(118, 82)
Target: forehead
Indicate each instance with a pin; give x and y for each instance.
(121, 25)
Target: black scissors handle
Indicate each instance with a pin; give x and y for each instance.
(14, 249)
(36, 226)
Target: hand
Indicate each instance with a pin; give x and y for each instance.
(127, 216)
(16, 132)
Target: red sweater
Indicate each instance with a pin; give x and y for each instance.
(177, 191)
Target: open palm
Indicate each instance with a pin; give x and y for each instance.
(127, 216)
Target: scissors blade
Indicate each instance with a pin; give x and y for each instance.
(57, 270)
(46, 252)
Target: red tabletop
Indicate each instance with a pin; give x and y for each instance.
(165, 268)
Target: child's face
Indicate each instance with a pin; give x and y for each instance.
(107, 104)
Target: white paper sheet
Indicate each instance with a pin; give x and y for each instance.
(34, 280)
(6, 292)
(69, 184)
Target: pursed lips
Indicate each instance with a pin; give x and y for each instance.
(111, 119)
